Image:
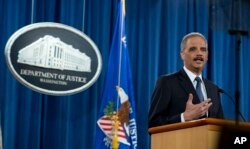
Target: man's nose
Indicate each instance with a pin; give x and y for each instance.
(199, 51)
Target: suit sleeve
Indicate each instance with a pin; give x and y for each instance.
(158, 113)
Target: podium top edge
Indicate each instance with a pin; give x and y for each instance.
(200, 122)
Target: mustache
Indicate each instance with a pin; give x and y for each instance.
(199, 58)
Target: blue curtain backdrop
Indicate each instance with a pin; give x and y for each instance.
(31, 120)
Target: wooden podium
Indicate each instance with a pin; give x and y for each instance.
(198, 134)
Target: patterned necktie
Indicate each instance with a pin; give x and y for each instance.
(198, 88)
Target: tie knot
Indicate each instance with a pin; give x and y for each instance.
(198, 79)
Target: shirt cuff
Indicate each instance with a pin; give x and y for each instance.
(182, 117)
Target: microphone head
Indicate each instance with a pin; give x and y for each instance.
(221, 90)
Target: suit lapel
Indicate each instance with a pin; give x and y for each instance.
(209, 94)
(187, 85)
(208, 88)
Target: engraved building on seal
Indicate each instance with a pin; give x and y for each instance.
(51, 52)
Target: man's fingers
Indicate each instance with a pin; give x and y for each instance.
(208, 106)
(205, 108)
(208, 100)
(190, 98)
(205, 102)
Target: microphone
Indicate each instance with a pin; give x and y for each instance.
(233, 100)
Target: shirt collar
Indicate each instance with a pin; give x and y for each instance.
(191, 75)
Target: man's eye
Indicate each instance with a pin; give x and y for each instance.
(192, 49)
(204, 49)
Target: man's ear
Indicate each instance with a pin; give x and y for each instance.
(182, 55)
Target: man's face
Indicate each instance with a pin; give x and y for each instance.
(195, 54)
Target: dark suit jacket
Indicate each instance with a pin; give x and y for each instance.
(171, 94)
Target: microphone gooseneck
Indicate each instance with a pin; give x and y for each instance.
(220, 90)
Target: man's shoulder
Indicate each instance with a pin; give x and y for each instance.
(209, 83)
(170, 76)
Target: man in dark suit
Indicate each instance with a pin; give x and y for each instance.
(186, 95)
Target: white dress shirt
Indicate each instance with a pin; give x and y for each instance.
(192, 77)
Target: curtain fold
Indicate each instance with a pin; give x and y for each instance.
(31, 120)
